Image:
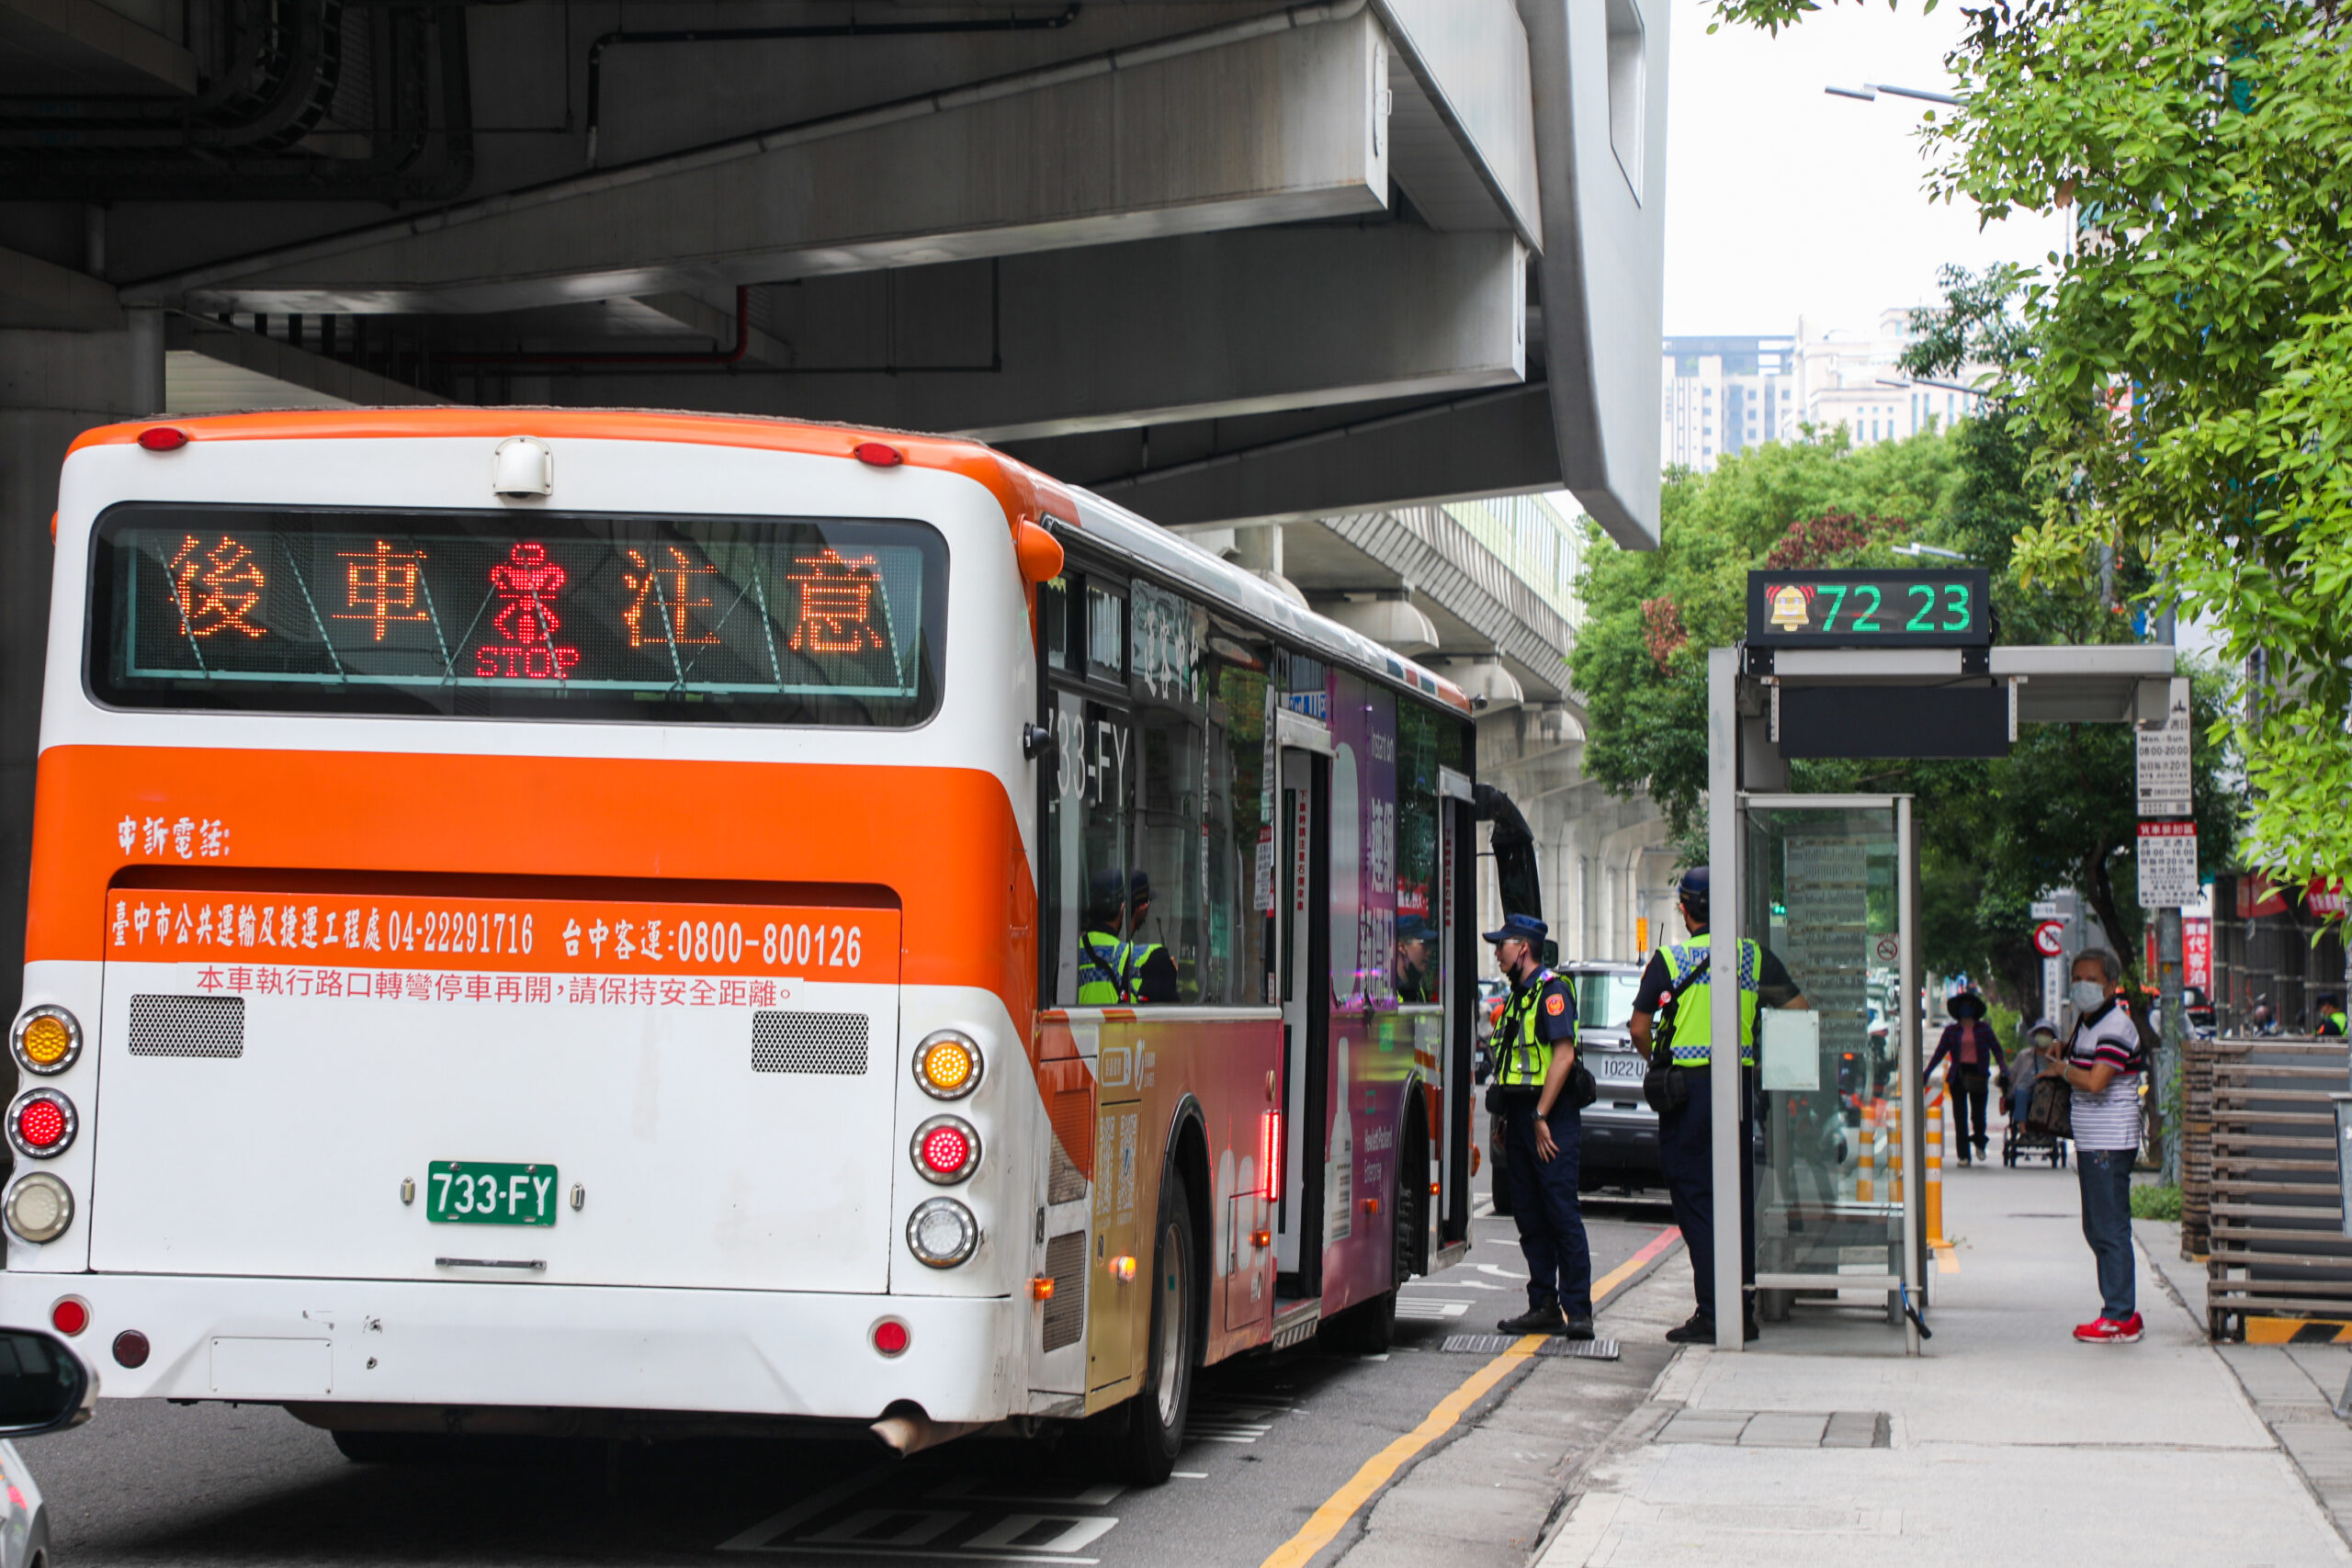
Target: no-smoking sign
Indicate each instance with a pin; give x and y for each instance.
(1887, 950)
(2049, 937)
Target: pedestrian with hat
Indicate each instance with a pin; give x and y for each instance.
(1540, 1091)
(1677, 992)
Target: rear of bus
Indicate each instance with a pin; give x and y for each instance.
(528, 914)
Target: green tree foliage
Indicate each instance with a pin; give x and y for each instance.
(1994, 835)
(2186, 377)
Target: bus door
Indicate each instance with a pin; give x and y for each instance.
(1305, 964)
(1451, 1137)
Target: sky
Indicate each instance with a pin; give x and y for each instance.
(1781, 200)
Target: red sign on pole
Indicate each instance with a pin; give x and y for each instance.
(2324, 896)
(2197, 953)
(2049, 937)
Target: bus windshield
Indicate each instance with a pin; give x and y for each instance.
(506, 615)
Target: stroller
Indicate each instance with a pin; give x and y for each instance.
(2016, 1144)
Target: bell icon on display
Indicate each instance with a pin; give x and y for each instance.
(1791, 607)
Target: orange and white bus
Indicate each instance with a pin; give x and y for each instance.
(571, 922)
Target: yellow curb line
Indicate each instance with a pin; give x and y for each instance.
(1324, 1525)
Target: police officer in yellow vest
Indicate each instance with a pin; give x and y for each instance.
(1101, 947)
(1679, 983)
(1535, 1057)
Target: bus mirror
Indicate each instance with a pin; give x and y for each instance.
(1040, 553)
(44, 1387)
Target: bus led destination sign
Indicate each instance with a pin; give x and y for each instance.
(1870, 609)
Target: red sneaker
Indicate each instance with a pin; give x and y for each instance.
(2106, 1331)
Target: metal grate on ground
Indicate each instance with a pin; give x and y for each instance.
(808, 1043)
(1496, 1344)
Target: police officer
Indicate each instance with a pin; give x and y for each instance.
(1679, 980)
(1102, 949)
(1148, 974)
(1534, 1055)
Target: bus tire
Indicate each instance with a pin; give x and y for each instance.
(1150, 1432)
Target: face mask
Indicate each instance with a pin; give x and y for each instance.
(2086, 995)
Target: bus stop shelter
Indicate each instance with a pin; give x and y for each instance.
(1835, 877)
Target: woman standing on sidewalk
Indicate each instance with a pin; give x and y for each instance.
(2101, 1062)
(1974, 1052)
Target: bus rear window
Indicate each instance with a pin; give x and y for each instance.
(731, 620)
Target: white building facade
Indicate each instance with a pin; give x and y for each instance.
(1722, 395)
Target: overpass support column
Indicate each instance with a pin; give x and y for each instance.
(54, 386)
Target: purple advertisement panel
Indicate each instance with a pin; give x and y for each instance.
(1367, 1067)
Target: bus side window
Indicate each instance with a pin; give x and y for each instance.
(1241, 872)
(1420, 907)
(1086, 850)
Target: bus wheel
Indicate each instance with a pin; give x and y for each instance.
(1142, 1448)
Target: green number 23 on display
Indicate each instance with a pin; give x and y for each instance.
(1956, 608)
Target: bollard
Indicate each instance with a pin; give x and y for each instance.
(1867, 1163)
(1895, 1156)
(1932, 1179)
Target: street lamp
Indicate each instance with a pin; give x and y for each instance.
(1914, 550)
(1869, 91)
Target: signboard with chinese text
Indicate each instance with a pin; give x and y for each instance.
(2168, 865)
(748, 619)
(2163, 773)
(1870, 609)
(2197, 953)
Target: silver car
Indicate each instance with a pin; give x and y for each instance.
(1620, 1129)
(44, 1387)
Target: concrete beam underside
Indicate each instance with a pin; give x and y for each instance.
(1279, 128)
(1479, 443)
(1212, 326)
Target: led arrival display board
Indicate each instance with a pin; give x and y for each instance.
(1870, 609)
(507, 615)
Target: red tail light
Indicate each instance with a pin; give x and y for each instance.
(70, 1315)
(891, 1337)
(163, 438)
(42, 1124)
(946, 1149)
(1270, 1153)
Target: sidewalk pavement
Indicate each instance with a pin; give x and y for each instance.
(2005, 1442)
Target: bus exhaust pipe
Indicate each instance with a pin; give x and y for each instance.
(910, 1431)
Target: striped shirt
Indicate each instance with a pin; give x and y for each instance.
(2110, 1119)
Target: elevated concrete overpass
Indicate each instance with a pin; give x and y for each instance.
(1301, 272)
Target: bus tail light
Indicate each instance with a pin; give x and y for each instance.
(891, 1337)
(1270, 1151)
(163, 438)
(947, 1066)
(46, 1040)
(69, 1316)
(946, 1149)
(941, 1232)
(40, 1207)
(130, 1347)
(42, 1124)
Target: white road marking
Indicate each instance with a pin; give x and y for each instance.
(1498, 1271)
(1430, 1311)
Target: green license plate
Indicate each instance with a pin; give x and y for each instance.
(484, 1192)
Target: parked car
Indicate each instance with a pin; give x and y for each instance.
(1620, 1129)
(44, 1387)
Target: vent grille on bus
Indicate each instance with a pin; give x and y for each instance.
(808, 1043)
(187, 1026)
(1065, 1183)
(1066, 1308)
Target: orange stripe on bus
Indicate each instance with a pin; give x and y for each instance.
(945, 839)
